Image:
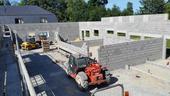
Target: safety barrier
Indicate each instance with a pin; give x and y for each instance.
(26, 81)
(95, 91)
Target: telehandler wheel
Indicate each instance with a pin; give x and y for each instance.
(108, 79)
(107, 76)
(81, 80)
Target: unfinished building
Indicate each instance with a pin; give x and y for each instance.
(116, 42)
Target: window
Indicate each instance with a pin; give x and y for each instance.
(121, 34)
(43, 20)
(82, 33)
(147, 37)
(87, 33)
(46, 34)
(19, 21)
(96, 32)
(135, 37)
(110, 32)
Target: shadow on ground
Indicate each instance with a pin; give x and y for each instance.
(57, 81)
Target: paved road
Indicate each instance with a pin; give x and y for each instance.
(56, 79)
(9, 65)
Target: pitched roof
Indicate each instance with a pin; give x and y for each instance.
(22, 10)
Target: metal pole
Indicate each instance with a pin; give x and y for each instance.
(112, 86)
(164, 47)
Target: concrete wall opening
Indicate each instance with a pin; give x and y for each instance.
(19, 21)
(121, 34)
(43, 20)
(110, 32)
(147, 37)
(135, 37)
(96, 32)
(82, 33)
(167, 48)
(87, 33)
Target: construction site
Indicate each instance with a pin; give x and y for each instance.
(117, 56)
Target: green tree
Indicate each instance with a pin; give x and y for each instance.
(97, 2)
(76, 10)
(152, 6)
(116, 11)
(109, 12)
(96, 13)
(1, 2)
(22, 3)
(96, 9)
(58, 7)
(167, 9)
(128, 10)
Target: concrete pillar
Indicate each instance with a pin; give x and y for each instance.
(164, 47)
(142, 37)
(127, 36)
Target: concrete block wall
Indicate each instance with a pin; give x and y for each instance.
(130, 53)
(90, 43)
(141, 25)
(68, 31)
(137, 18)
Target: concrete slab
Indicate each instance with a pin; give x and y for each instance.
(139, 84)
(155, 71)
(144, 86)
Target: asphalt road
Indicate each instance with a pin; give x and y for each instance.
(10, 82)
(57, 82)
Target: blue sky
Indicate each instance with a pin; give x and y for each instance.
(120, 3)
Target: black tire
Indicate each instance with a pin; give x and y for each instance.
(82, 80)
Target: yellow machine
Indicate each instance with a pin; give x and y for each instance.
(28, 46)
(30, 43)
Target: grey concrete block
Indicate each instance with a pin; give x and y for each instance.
(133, 54)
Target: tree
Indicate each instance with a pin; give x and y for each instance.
(128, 10)
(116, 11)
(96, 9)
(1, 3)
(6, 2)
(96, 13)
(57, 7)
(22, 3)
(167, 9)
(97, 2)
(152, 6)
(76, 10)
